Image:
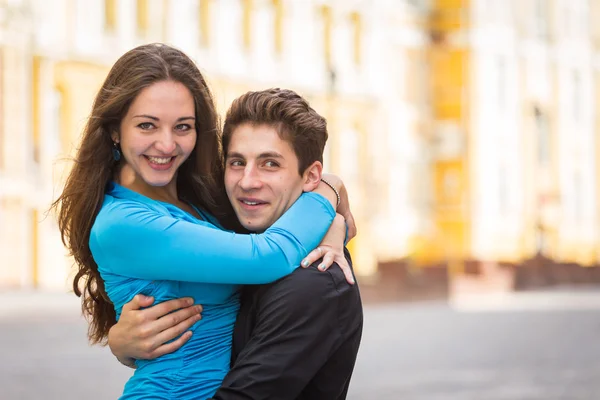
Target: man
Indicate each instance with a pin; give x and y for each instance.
(296, 338)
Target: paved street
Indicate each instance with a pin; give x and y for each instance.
(519, 347)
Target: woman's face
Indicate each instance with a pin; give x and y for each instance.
(157, 134)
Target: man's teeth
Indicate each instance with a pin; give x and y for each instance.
(160, 160)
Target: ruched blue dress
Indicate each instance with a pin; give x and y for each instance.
(157, 249)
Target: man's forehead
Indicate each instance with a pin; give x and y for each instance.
(258, 141)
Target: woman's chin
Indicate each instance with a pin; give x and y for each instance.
(158, 182)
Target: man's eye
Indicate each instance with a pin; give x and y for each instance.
(146, 125)
(271, 164)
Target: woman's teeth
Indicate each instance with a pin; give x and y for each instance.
(160, 160)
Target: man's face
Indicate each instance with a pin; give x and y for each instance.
(261, 176)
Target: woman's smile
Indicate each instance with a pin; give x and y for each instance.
(160, 163)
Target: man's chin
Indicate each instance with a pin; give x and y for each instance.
(255, 226)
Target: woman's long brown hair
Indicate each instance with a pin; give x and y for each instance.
(199, 180)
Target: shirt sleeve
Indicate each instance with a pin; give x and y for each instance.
(135, 241)
(296, 331)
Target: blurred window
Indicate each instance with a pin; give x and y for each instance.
(576, 102)
(349, 155)
(36, 108)
(574, 18)
(577, 200)
(416, 77)
(543, 135)
(583, 17)
(501, 82)
(503, 189)
(57, 111)
(540, 13)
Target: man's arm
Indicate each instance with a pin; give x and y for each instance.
(296, 331)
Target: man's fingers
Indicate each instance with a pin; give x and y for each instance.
(171, 347)
(167, 307)
(138, 301)
(176, 318)
(152, 337)
(175, 331)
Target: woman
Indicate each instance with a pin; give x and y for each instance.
(138, 214)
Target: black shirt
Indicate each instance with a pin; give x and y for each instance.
(296, 338)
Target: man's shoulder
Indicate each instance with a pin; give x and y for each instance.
(311, 281)
(301, 281)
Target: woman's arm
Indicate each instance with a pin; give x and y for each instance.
(343, 207)
(331, 250)
(131, 240)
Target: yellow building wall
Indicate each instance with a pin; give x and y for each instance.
(78, 83)
(597, 124)
(1, 108)
(449, 15)
(14, 243)
(449, 83)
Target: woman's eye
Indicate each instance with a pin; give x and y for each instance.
(183, 127)
(146, 125)
(235, 163)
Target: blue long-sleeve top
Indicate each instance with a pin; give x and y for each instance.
(145, 246)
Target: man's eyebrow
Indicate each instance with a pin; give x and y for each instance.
(266, 154)
(270, 154)
(157, 119)
(234, 154)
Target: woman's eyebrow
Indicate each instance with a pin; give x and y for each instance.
(158, 119)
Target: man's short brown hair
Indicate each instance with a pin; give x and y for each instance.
(286, 111)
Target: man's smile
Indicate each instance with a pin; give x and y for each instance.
(251, 204)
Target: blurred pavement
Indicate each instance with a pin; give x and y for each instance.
(524, 346)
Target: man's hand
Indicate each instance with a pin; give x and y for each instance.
(143, 334)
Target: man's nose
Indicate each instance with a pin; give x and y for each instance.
(251, 179)
(166, 142)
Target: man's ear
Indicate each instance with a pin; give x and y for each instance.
(312, 176)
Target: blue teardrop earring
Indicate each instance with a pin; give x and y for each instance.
(116, 152)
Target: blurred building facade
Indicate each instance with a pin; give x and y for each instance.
(465, 130)
(515, 130)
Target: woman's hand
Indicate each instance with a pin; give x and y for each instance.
(331, 250)
(344, 206)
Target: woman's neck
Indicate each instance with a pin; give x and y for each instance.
(126, 177)
(129, 179)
